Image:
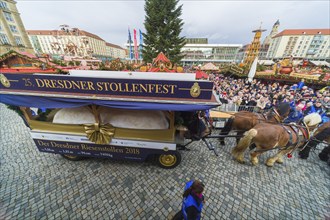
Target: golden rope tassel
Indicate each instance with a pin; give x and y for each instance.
(99, 134)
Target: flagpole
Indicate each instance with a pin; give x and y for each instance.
(141, 44)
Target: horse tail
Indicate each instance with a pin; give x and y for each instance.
(244, 143)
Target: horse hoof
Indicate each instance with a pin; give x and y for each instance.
(241, 161)
(254, 163)
(280, 161)
(270, 164)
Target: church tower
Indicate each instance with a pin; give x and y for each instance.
(273, 32)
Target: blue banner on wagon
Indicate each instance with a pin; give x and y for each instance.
(52, 85)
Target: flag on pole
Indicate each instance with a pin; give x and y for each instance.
(135, 46)
(141, 45)
(130, 45)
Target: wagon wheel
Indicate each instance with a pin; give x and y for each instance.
(168, 161)
(72, 157)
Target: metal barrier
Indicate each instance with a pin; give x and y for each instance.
(248, 108)
(219, 122)
(237, 108)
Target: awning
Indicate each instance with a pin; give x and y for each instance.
(320, 63)
(201, 75)
(209, 66)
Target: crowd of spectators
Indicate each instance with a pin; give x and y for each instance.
(242, 92)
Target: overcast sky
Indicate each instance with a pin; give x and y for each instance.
(220, 21)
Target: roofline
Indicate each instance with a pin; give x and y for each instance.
(213, 45)
(323, 31)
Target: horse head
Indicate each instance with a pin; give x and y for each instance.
(282, 110)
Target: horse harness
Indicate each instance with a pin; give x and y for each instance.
(301, 133)
(260, 117)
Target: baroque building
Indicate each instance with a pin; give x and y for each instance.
(73, 42)
(12, 31)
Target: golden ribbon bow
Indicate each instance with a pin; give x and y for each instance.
(99, 134)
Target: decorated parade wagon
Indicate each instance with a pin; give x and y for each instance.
(107, 114)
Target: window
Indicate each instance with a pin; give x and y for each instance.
(3, 5)
(8, 16)
(18, 41)
(13, 28)
(4, 39)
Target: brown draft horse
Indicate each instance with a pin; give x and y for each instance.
(243, 121)
(322, 134)
(266, 136)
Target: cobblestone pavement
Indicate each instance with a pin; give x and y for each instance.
(37, 185)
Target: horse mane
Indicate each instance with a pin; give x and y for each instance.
(269, 114)
(283, 108)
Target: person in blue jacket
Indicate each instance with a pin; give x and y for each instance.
(325, 117)
(301, 84)
(193, 200)
(317, 107)
(295, 114)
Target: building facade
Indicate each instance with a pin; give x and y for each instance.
(204, 53)
(312, 44)
(73, 42)
(196, 41)
(12, 31)
(116, 51)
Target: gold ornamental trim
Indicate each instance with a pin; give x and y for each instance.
(195, 90)
(99, 134)
(4, 81)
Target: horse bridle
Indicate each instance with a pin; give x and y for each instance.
(276, 115)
